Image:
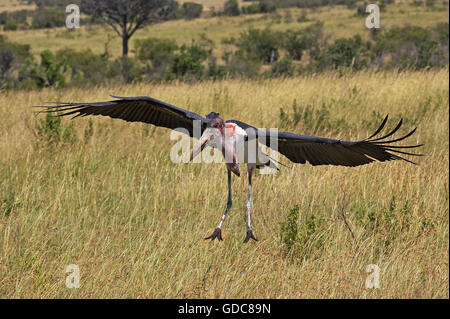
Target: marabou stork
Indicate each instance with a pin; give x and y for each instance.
(223, 135)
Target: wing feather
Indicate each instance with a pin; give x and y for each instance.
(325, 151)
(132, 109)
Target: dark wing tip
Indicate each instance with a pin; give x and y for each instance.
(379, 128)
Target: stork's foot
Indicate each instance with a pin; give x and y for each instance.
(216, 234)
(249, 235)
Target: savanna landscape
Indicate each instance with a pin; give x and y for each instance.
(102, 193)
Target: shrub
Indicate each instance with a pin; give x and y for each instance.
(361, 9)
(284, 67)
(344, 52)
(30, 75)
(11, 25)
(289, 229)
(85, 67)
(260, 44)
(48, 17)
(231, 8)
(297, 42)
(52, 69)
(6, 59)
(305, 238)
(413, 47)
(14, 17)
(52, 129)
(125, 70)
(12, 56)
(216, 71)
(188, 63)
(259, 7)
(190, 10)
(302, 17)
(240, 64)
(157, 55)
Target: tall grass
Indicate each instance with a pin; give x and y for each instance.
(111, 201)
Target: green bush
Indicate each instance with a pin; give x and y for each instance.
(52, 69)
(157, 55)
(12, 56)
(14, 18)
(242, 65)
(413, 47)
(231, 8)
(361, 9)
(85, 67)
(308, 39)
(6, 59)
(350, 53)
(190, 10)
(48, 17)
(302, 17)
(304, 238)
(284, 67)
(11, 25)
(216, 71)
(53, 131)
(30, 75)
(259, 7)
(125, 70)
(188, 63)
(289, 229)
(260, 44)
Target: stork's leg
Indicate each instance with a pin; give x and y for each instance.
(218, 231)
(251, 168)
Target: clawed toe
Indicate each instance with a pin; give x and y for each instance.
(249, 235)
(216, 234)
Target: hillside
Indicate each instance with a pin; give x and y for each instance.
(338, 21)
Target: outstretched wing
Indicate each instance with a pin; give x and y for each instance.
(133, 109)
(325, 151)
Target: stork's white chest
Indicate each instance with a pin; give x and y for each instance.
(245, 151)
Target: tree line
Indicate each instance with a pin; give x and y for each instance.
(254, 53)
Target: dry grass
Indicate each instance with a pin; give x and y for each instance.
(133, 221)
(15, 5)
(338, 22)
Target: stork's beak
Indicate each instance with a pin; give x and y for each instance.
(204, 140)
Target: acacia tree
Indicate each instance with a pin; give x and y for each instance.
(127, 16)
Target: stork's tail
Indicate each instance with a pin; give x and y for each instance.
(272, 163)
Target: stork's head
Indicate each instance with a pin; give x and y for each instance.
(212, 135)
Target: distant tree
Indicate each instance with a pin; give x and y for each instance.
(127, 16)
